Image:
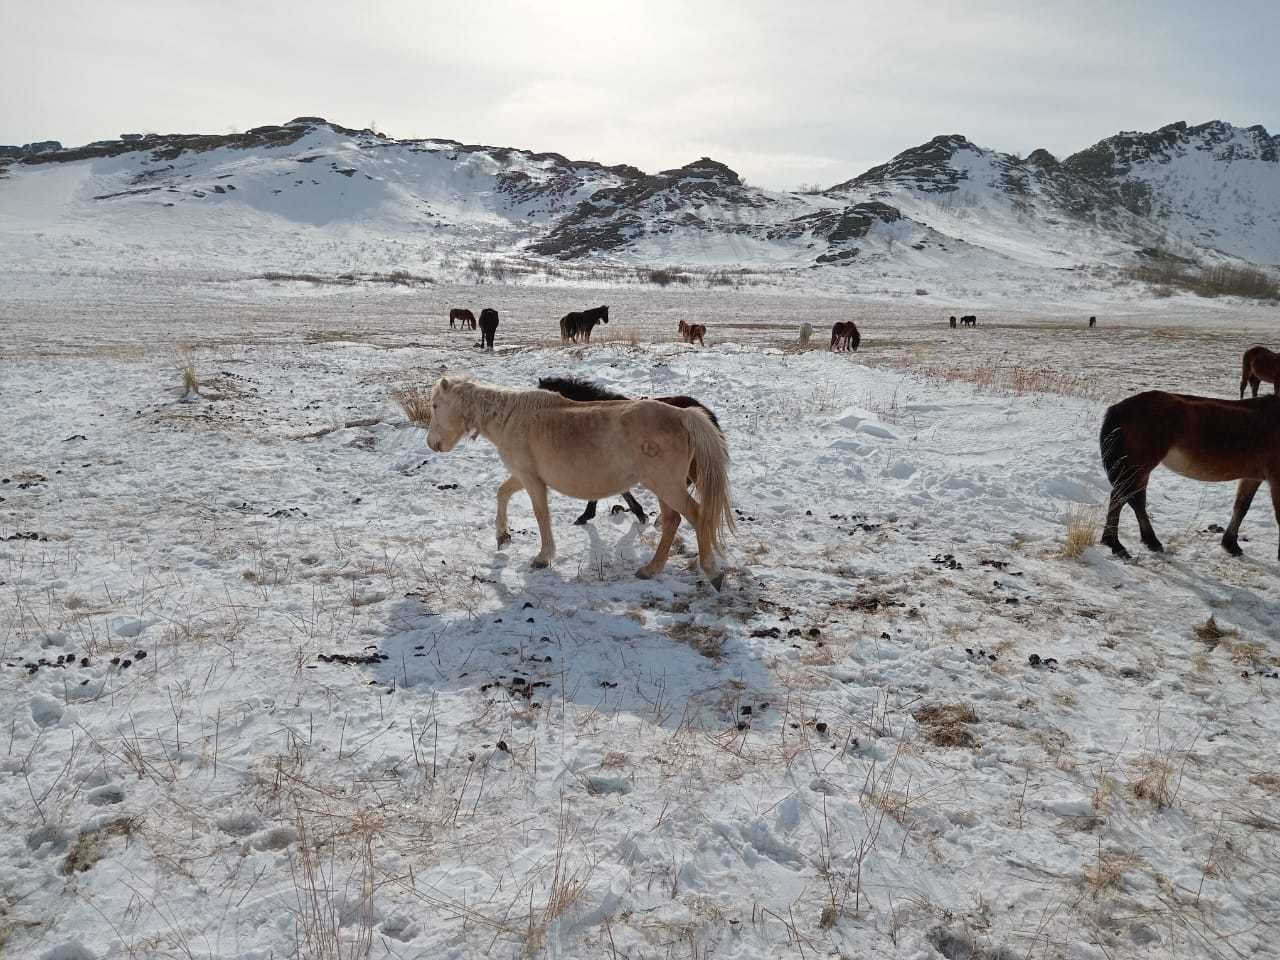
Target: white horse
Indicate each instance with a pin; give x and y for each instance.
(591, 451)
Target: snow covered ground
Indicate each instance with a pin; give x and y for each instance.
(272, 691)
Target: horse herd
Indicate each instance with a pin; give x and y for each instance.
(589, 443)
(579, 324)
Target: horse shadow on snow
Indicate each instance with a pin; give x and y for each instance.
(670, 651)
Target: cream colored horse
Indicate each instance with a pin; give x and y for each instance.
(591, 451)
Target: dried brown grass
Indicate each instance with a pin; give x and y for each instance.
(1081, 521)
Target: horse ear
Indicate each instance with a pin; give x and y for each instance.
(443, 384)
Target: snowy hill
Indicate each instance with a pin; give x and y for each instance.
(1214, 185)
(306, 195)
(311, 196)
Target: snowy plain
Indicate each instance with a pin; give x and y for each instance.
(306, 708)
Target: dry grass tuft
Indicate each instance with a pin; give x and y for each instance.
(91, 846)
(947, 724)
(1156, 780)
(1018, 381)
(1210, 634)
(187, 371)
(1081, 521)
(708, 641)
(1106, 875)
(1248, 653)
(415, 401)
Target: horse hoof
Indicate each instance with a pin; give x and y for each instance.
(1117, 548)
(1232, 548)
(503, 539)
(718, 581)
(580, 522)
(538, 563)
(644, 573)
(1155, 546)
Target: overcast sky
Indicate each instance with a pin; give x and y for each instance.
(786, 93)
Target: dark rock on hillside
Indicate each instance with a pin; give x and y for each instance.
(926, 168)
(838, 226)
(700, 195)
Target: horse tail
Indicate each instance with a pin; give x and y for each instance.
(711, 454)
(1246, 364)
(1114, 447)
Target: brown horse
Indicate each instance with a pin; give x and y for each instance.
(1260, 364)
(464, 318)
(1203, 438)
(845, 336)
(692, 331)
(595, 450)
(968, 320)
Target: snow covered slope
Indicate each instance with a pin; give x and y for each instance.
(1033, 210)
(311, 196)
(306, 195)
(1212, 185)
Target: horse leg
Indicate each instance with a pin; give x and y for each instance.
(634, 505)
(1111, 529)
(1254, 384)
(1274, 483)
(691, 510)
(509, 486)
(1244, 497)
(669, 520)
(587, 514)
(538, 497)
(1138, 501)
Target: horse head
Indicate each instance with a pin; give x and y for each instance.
(449, 420)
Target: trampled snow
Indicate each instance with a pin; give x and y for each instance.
(293, 696)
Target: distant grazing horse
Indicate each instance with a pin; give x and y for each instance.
(593, 450)
(845, 336)
(692, 331)
(953, 323)
(1203, 438)
(1093, 322)
(464, 318)
(586, 391)
(969, 320)
(488, 327)
(580, 323)
(806, 332)
(1260, 364)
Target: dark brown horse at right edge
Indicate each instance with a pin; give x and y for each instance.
(1203, 438)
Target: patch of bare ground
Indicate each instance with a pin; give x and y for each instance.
(947, 724)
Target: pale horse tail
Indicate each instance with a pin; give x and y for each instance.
(711, 457)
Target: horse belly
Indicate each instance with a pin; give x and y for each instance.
(1210, 470)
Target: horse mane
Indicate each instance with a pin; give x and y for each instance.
(479, 402)
(573, 388)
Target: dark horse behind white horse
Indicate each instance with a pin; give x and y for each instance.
(593, 450)
(586, 392)
(581, 322)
